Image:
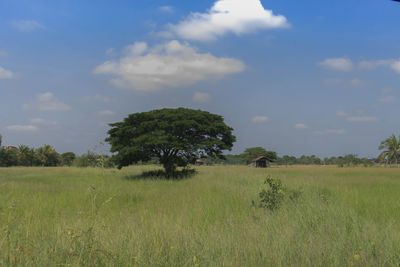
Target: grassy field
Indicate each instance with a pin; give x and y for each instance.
(95, 217)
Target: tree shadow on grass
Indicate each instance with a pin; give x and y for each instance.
(161, 175)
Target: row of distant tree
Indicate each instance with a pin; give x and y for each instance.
(249, 154)
(46, 156)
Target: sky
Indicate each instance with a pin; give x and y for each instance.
(296, 77)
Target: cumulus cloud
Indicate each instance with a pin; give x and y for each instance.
(331, 132)
(228, 16)
(301, 126)
(260, 119)
(5, 74)
(28, 25)
(106, 113)
(22, 128)
(337, 64)
(170, 65)
(46, 102)
(200, 97)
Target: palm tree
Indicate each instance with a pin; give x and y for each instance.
(392, 152)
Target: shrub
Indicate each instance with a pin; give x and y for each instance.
(271, 198)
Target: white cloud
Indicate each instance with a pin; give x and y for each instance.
(169, 65)
(5, 74)
(260, 119)
(46, 102)
(341, 113)
(201, 97)
(228, 16)
(372, 64)
(357, 82)
(338, 64)
(331, 132)
(43, 122)
(301, 126)
(166, 9)
(396, 66)
(110, 51)
(106, 113)
(22, 128)
(387, 99)
(97, 98)
(28, 25)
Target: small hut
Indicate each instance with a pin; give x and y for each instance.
(199, 162)
(261, 162)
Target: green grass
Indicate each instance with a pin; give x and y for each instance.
(94, 217)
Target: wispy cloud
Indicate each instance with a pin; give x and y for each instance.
(331, 132)
(228, 16)
(28, 25)
(46, 102)
(361, 118)
(260, 119)
(387, 99)
(22, 128)
(106, 113)
(337, 64)
(200, 97)
(166, 9)
(170, 65)
(97, 98)
(42, 122)
(5, 74)
(301, 126)
(3, 53)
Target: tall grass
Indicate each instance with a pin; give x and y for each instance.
(95, 217)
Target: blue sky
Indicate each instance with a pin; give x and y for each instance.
(296, 77)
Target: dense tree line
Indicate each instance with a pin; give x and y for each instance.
(47, 156)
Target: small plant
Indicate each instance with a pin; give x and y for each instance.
(272, 197)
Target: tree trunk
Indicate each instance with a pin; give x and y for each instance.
(169, 169)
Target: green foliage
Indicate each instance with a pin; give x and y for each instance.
(176, 137)
(67, 158)
(47, 156)
(8, 157)
(91, 159)
(253, 152)
(391, 154)
(272, 197)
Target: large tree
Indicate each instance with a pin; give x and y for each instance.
(391, 154)
(176, 137)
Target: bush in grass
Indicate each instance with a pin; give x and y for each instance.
(271, 198)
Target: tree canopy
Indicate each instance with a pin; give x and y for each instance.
(391, 153)
(176, 137)
(253, 152)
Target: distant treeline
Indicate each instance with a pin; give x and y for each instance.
(47, 156)
(343, 161)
